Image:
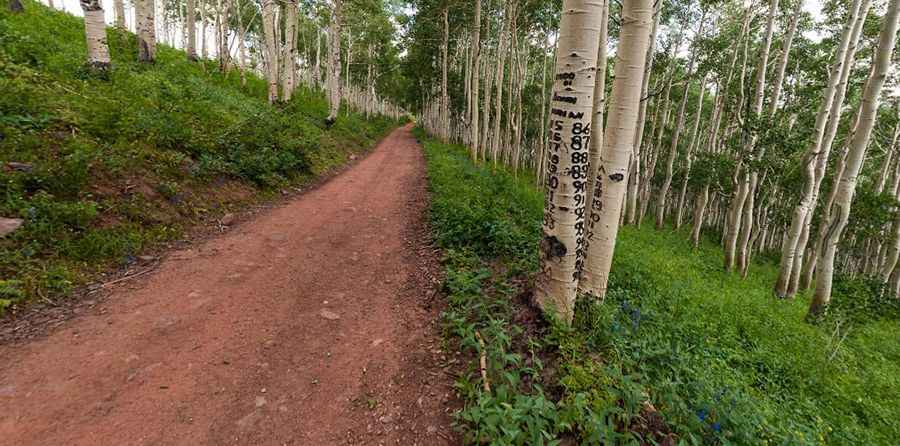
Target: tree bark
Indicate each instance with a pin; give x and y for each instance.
(271, 48)
(634, 176)
(334, 62)
(191, 27)
(445, 96)
(119, 10)
(846, 186)
(816, 157)
(563, 229)
(610, 185)
(95, 33)
(145, 12)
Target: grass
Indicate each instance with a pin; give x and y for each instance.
(119, 163)
(718, 359)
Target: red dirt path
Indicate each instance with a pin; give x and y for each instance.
(311, 324)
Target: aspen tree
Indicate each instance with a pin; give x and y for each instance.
(610, 185)
(191, 27)
(563, 228)
(290, 44)
(334, 61)
(596, 146)
(816, 156)
(476, 59)
(830, 133)
(747, 220)
(676, 135)
(203, 51)
(268, 24)
(689, 156)
(145, 15)
(445, 97)
(846, 185)
(119, 10)
(95, 33)
(635, 172)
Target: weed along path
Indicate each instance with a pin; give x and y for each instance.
(311, 324)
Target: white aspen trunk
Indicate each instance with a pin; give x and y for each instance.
(476, 59)
(542, 125)
(145, 13)
(634, 177)
(498, 105)
(610, 185)
(689, 156)
(118, 9)
(290, 44)
(751, 178)
(563, 229)
(676, 135)
(846, 186)
(816, 158)
(271, 47)
(596, 146)
(699, 209)
(334, 62)
(445, 97)
(203, 51)
(486, 114)
(784, 57)
(95, 34)
(191, 28)
(242, 52)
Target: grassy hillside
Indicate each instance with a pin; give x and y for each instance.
(106, 168)
(719, 360)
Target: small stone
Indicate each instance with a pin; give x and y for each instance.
(431, 430)
(8, 225)
(227, 219)
(146, 258)
(377, 342)
(263, 390)
(386, 419)
(330, 315)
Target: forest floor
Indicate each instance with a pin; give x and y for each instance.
(313, 323)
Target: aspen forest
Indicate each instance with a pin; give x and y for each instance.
(441, 222)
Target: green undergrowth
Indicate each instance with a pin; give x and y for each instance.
(110, 165)
(679, 350)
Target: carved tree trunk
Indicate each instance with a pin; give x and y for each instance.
(563, 231)
(610, 185)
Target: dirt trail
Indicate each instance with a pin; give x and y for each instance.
(308, 325)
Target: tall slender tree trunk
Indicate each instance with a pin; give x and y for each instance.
(119, 10)
(596, 146)
(676, 135)
(191, 27)
(751, 176)
(563, 230)
(476, 60)
(334, 61)
(445, 96)
(634, 176)
(288, 65)
(610, 185)
(145, 13)
(846, 186)
(689, 156)
(816, 157)
(271, 48)
(95, 33)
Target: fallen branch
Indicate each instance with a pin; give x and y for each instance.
(484, 375)
(130, 276)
